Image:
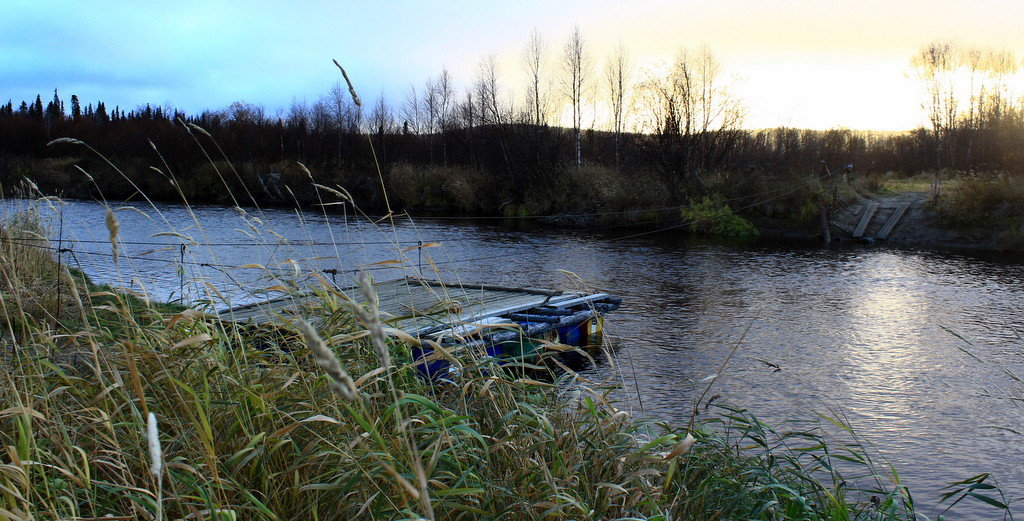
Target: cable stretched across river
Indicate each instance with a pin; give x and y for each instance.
(252, 266)
(284, 242)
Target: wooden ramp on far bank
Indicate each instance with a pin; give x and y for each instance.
(875, 220)
(894, 219)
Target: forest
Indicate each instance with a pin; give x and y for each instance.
(582, 134)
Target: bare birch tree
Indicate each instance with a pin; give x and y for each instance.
(431, 111)
(488, 90)
(411, 111)
(935, 65)
(576, 69)
(1000, 66)
(382, 119)
(695, 120)
(381, 123)
(619, 75)
(533, 61)
(973, 59)
(445, 95)
(492, 112)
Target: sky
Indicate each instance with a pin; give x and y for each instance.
(800, 63)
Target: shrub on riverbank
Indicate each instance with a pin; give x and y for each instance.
(710, 215)
(780, 199)
(436, 188)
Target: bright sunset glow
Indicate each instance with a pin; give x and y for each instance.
(799, 63)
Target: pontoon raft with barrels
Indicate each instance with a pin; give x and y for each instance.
(503, 322)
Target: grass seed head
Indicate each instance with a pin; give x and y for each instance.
(341, 382)
(371, 319)
(351, 89)
(113, 228)
(155, 453)
(68, 140)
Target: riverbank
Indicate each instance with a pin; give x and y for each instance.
(262, 434)
(965, 211)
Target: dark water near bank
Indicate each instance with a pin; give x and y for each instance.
(863, 331)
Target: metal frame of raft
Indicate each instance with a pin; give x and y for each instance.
(503, 322)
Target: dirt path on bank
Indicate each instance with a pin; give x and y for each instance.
(920, 225)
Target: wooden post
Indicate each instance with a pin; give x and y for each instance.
(826, 233)
(181, 273)
(60, 264)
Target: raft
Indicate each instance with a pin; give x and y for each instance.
(507, 323)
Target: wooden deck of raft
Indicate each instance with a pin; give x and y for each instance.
(421, 307)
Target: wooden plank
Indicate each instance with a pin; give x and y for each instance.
(865, 219)
(894, 219)
(416, 305)
(494, 288)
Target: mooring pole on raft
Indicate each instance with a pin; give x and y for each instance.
(60, 263)
(181, 272)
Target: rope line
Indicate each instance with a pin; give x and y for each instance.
(285, 242)
(332, 271)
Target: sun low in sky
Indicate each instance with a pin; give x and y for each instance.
(799, 63)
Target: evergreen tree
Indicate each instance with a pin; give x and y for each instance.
(76, 108)
(101, 113)
(55, 109)
(36, 110)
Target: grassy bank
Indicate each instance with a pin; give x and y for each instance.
(988, 205)
(332, 423)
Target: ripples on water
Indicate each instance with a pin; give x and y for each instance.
(858, 330)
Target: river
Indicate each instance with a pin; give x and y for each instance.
(865, 331)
